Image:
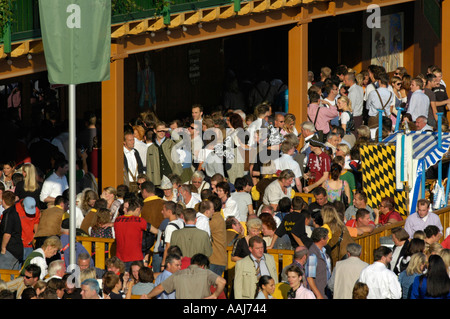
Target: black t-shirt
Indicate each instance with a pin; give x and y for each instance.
(441, 95)
(11, 224)
(314, 208)
(294, 223)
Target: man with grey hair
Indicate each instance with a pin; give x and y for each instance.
(90, 289)
(300, 256)
(56, 269)
(346, 273)
(307, 130)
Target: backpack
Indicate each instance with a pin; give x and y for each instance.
(161, 243)
(350, 124)
(148, 240)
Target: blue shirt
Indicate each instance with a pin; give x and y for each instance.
(163, 276)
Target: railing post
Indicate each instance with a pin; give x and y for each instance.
(380, 125)
(399, 118)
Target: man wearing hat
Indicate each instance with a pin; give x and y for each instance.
(319, 164)
(169, 192)
(29, 218)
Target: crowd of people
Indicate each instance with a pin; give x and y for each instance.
(231, 180)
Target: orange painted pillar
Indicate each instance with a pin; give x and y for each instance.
(298, 72)
(113, 123)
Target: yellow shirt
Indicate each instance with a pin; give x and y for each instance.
(330, 234)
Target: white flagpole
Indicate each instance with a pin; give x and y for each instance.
(72, 173)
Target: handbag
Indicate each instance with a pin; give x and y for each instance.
(319, 132)
(344, 197)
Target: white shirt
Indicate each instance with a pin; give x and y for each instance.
(230, 209)
(252, 128)
(195, 198)
(132, 164)
(170, 228)
(141, 147)
(41, 262)
(78, 217)
(273, 193)
(382, 282)
(212, 164)
(286, 161)
(203, 223)
(53, 186)
(242, 199)
(418, 105)
(374, 103)
(356, 96)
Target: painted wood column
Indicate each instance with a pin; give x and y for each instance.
(113, 122)
(298, 71)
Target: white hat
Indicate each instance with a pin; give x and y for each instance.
(166, 183)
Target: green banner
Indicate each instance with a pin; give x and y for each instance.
(77, 40)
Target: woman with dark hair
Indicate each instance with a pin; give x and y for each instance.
(9, 169)
(265, 288)
(435, 284)
(336, 187)
(416, 245)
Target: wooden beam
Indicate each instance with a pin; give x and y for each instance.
(22, 66)
(20, 49)
(176, 20)
(221, 21)
(113, 122)
(298, 70)
(211, 14)
(120, 30)
(138, 27)
(214, 29)
(321, 9)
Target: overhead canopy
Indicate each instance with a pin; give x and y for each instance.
(415, 153)
(424, 145)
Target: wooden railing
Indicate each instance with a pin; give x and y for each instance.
(371, 241)
(7, 274)
(103, 248)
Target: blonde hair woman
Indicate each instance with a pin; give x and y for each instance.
(289, 124)
(445, 254)
(241, 248)
(338, 235)
(112, 203)
(415, 268)
(345, 105)
(87, 200)
(30, 186)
